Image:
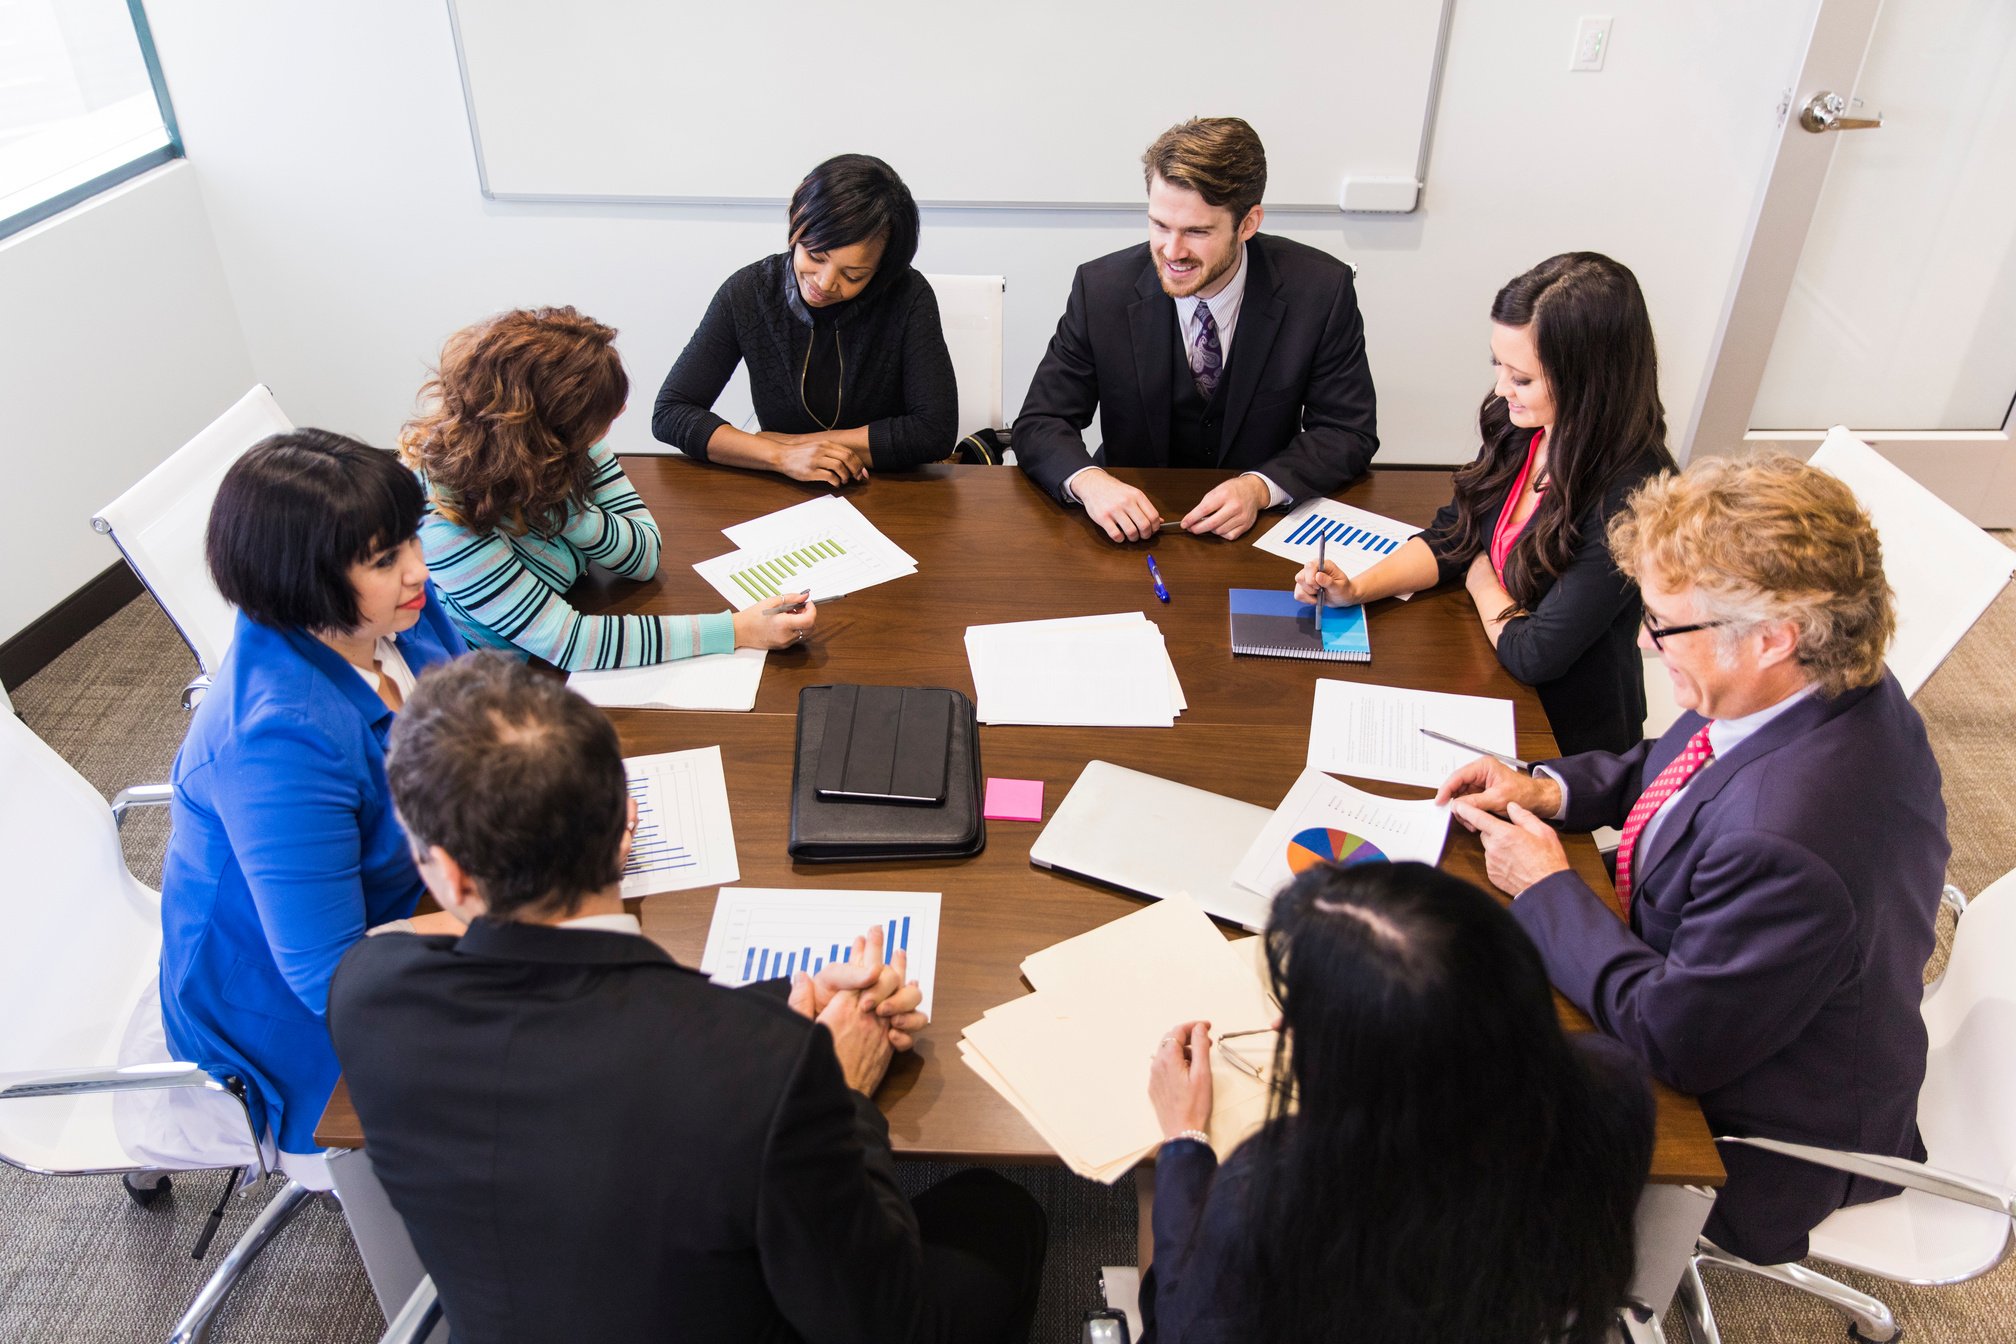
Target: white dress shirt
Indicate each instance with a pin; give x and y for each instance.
(392, 663)
(604, 923)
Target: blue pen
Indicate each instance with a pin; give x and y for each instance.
(1155, 577)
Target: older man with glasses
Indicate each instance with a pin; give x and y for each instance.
(1783, 849)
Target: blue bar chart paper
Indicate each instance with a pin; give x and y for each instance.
(1355, 539)
(683, 838)
(762, 933)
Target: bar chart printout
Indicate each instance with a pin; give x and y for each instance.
(1355, 538)
(683, 837)
(763, 933)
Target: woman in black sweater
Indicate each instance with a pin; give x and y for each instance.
(847, 361)
(1573, 425)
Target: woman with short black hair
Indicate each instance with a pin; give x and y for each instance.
(847, 361)
(285, 849)
(1439, 1161)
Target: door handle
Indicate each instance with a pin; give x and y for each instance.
(1823, 113)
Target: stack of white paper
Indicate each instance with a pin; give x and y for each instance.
(1374, 732)
(1325, 821)
(683, 837)
(724, 681)
(1082, 671)
(1072, 1058)
(825, 545)
(770, 933)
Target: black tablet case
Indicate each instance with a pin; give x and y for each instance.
(837, 830)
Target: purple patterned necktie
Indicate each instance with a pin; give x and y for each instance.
(1206, 362)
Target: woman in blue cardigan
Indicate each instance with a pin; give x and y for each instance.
(285, 849)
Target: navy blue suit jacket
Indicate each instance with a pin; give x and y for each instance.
(1781, 918)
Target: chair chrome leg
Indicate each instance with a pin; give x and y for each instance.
(1868, 1319)
(195, 1322)
(1694, 1308)
(1639, 1324)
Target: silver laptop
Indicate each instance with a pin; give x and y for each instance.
(1155, 837)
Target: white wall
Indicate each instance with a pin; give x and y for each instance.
(335, 158)
(334, 153)
(118, 341)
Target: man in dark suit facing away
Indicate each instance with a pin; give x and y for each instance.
(1783, 849)
(588, 1141)
(1211, 345)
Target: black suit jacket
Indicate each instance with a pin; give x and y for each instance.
(1578, 647)
(589, 1141)
(1299, 407)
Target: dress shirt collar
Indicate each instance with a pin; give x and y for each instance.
(606, 923)
(1725, 735)
(1225, 306)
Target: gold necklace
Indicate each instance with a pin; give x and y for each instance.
(839, 391)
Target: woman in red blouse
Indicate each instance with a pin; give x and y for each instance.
(1572, 426)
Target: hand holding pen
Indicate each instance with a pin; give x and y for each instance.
(781, 624)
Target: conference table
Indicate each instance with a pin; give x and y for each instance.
(990, 546)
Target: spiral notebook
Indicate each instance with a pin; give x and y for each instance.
(1271, 623)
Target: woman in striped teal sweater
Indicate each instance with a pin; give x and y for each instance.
(522, 495)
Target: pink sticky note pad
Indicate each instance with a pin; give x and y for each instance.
(1014, 800)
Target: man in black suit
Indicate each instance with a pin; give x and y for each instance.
(1211, 345)
(587, 1140)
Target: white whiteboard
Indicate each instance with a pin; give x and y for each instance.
(1042, 103)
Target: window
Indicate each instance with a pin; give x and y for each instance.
(82, 104)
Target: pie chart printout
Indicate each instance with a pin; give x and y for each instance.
(1320, 844)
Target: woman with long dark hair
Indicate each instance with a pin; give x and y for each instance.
(847, 361)
(1440, 1162)
(1572, 426)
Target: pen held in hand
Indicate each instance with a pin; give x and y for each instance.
(793, 608)
(1512, 761)
(1320, 543)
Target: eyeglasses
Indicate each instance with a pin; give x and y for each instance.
(1231, 1056)
(1660, 633)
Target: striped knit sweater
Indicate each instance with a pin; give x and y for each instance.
(509, 592)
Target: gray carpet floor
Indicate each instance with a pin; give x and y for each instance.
(79, 1262)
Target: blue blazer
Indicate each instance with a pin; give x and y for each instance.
(284, 850)
(1774, 963)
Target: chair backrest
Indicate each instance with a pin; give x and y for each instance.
(83, 943)
(159, 523)
(969, 308)
(1967, 1108)
(1944, 570)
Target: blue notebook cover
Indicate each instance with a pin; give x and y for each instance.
(1271, 623)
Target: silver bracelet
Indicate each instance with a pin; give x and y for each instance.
(1195, 1135)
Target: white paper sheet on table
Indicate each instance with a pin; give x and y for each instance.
(1085, 671)
(684, 838)
(719, 681)
(1374, 732)
(1307, 824)
(1357, 538)
(761, 933)
(825, 545)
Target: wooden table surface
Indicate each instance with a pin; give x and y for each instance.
(990, 546)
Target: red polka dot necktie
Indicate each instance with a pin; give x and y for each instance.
(1678, 771)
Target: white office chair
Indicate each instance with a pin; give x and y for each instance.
(83, 945)
(418, 1319)
(1944, 570)
(970, 310)
(158, 525)
(1956, 1218)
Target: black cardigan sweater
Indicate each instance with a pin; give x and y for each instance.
(1578, 647)
(896, 375)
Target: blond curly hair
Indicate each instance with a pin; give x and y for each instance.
(1768, 538)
